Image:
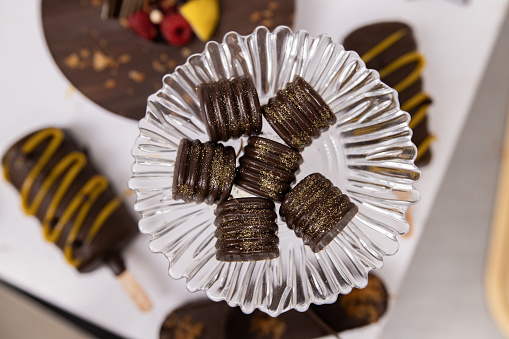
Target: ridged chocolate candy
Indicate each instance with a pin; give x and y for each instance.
(267, 168)
(230, 108)
(204, 172)
(246, 230)
(298, 114)
(317, 211)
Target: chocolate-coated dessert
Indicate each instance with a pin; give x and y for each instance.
(204, 319)
(116, 69)
(391, 49)
(246, 230)
(267, 168)
(208, 319)
(358, 308)
(298, 114)
(230, 108)
(204, 172)
(76, 206)
(317, 211)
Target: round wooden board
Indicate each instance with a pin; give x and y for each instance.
(118, 70)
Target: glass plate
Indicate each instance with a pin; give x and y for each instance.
(367, 154)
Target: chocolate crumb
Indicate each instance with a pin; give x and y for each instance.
(124, 58)
(72, 61)
(273, 5)
(186, 52)
(158, 66)
(102, 61)
(255, 17)
(136, 76)
(110, 83)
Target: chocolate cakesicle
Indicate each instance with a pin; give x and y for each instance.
(204, 172)
(317, 211)
(298, 113)
(206, 319)
(267, 168)
(246, 230)
(74, 203)
(230, 108)
(391, 49)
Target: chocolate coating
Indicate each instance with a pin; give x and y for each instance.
(317, 211)
(360, 307)
(267, 168)
(411, 96)
(298, 114)
(204, 319)
(208, 319)
(203, 172)
(230, 108)
(246, 230)
(79, 211)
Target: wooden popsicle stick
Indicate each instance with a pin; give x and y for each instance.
(497, 266)
(134, 290)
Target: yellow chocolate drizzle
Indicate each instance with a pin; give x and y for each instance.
(69, 167)
(414, 76)
(424, 146)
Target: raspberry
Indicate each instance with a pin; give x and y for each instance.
(175, 29)
(140, 24)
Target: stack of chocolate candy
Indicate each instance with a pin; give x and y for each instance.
(246, 227)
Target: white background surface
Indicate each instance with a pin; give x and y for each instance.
(35, 94)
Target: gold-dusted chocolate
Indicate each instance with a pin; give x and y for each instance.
(246, 230)
(203, 172)
(230, 108)
(317, 211)
(267, 168)
(298, 113)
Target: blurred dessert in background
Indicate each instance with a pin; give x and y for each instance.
(208, 319)
(76, 205)
(117, 68)
(391, 49)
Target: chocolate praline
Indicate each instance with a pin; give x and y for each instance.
(203, 172)
(267, 168)
(230, 108)
(317, 211)
(298, 113)
(246, 230)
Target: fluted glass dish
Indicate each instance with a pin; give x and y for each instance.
(367, 153)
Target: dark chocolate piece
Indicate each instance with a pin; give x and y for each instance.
(267, 168)
(204, 172)
(230, 108)
(208, 319)
(317, 211)
(246, 230)
(204, 319)
(391, 49)
(76, 206)
(298, 114)
(87, 38)
(289, 325)
(360, 307)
